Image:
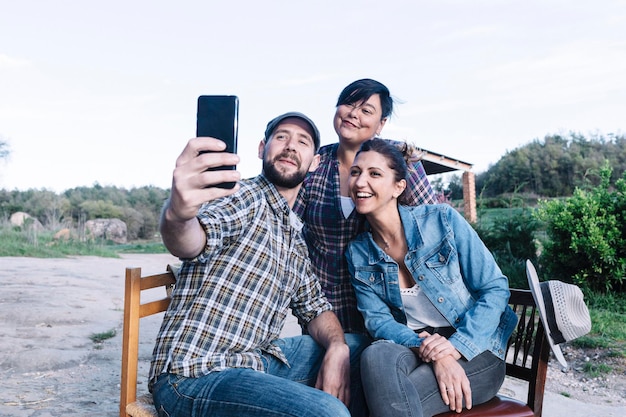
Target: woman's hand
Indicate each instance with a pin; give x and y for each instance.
(454, 385)
(435, 347)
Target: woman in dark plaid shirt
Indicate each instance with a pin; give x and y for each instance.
(324, 204)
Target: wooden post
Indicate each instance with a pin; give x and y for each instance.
(469, 196)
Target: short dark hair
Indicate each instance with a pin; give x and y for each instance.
(362, 90)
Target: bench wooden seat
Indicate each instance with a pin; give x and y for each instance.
(527, 357)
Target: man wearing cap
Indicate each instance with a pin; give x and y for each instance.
(245, 264)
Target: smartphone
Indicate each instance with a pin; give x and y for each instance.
(217, 118)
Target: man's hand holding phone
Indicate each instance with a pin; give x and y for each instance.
(192, 185)
(195, 181)
(205, 170)
(208, 162)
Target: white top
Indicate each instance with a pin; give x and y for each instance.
(347, 205)
(420, 312)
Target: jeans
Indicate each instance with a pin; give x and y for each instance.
(279, 391)
(398, 384)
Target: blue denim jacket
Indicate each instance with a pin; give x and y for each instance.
(456, 272)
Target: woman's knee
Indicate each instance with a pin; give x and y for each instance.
(375, 350)
(486, 374)
(388, 353)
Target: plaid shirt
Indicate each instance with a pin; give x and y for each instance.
(230, 303)
(328, 232)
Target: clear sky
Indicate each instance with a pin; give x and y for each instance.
(105, 91)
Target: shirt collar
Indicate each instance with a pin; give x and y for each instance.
(275, 200)
(411, 229)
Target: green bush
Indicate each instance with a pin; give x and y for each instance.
(586, 234)
(509, 235)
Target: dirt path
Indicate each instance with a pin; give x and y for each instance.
(48, 310)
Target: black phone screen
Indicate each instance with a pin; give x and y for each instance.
(217, 117)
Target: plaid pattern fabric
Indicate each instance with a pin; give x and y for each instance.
(231, 302)
(328, 232)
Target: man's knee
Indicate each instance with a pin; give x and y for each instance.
(332, 407)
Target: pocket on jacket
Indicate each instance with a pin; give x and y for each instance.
(373, 279)
(444, 263)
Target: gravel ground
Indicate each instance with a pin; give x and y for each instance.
(49, 366)
(608, 388)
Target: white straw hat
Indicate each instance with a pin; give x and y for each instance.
(562, 310)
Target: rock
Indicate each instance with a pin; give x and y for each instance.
(108, 229)
(25, 220)
(63, 234)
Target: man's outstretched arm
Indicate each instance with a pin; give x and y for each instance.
(192, 185)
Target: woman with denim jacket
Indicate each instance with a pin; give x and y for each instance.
(431, 295)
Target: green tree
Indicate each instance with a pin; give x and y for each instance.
(50, 208)
(555, 166)
(455, 187)
(134, 220)
(101, 209)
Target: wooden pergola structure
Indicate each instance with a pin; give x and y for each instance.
(435, 163)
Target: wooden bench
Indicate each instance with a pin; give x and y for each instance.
(130, 405)
(527, 357)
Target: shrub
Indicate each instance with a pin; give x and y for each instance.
(509, 235)
(586, 234)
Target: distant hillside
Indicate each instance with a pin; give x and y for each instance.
(554, 166)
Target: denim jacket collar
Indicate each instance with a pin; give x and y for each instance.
(412, 233)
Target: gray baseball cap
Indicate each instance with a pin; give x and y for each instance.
(278, 120)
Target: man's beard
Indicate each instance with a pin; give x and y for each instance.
(281, 179)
